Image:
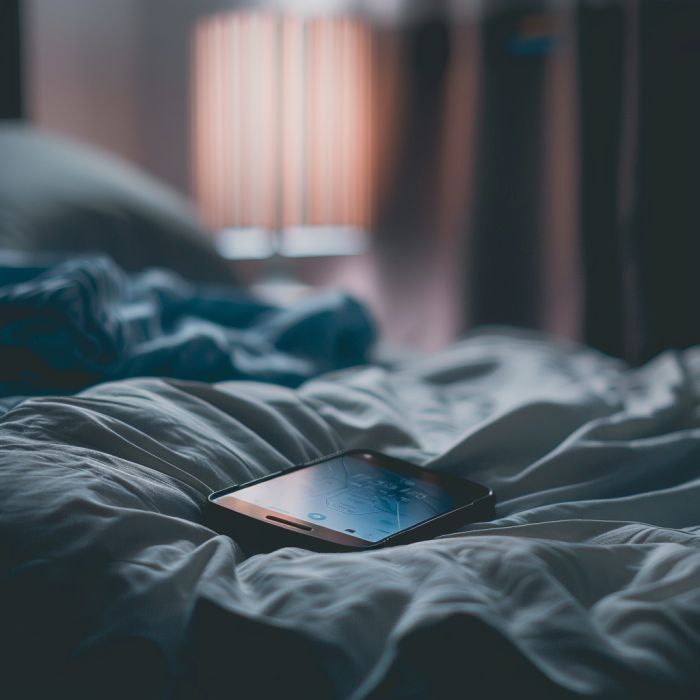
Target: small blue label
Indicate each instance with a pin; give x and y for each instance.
(520, 45)
(317, 516)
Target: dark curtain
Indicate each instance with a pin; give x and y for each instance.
(667, 207)
(600, 52)
(637, 76)
(507, 221)
(409, 208)
(11, 106)
(639, 66)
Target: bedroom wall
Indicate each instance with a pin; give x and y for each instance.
(110, 72)
(83, 70)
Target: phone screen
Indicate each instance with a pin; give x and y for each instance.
(351, 495)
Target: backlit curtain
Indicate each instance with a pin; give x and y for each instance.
(282, 113)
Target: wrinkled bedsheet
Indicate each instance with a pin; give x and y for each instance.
(587, 584)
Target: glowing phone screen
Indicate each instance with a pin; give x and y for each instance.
(350, 495)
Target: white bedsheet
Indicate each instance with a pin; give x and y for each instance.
(588, 583)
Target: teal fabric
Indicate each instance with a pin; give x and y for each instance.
(83, 320)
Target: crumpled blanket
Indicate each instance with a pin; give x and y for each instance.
(587, 584)
(68, 325)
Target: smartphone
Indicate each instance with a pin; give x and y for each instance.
(350, 501)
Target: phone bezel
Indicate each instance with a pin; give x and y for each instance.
(475, 503)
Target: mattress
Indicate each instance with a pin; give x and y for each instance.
(586, 584)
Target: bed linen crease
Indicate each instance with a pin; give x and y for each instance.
(586, 584)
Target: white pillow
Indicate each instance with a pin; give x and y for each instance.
(60, 195)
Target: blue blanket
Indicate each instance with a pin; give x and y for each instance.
(83, 320)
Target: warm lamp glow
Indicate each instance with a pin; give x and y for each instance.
(282, 121)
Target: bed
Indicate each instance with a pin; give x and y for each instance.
(127, 397)
(586, 584)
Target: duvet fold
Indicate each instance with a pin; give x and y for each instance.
(586, 585)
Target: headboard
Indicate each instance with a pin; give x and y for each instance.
(11, 99)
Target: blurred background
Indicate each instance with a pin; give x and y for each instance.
(451, 163)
